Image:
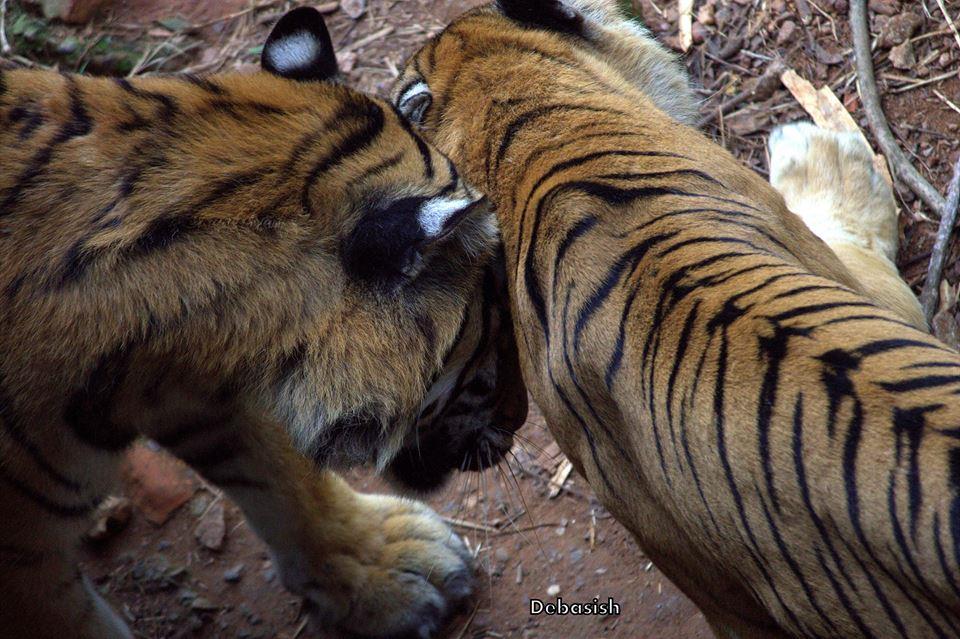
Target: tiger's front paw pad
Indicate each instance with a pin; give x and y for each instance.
(409, 572)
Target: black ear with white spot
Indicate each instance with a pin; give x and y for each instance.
(388, 245)
(414, 100)
(554, 15)
(299, 47)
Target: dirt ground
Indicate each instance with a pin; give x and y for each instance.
(187, 565)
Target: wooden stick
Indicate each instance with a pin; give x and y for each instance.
(953, 27)
(867, 85)
(930, 293)
(5, 47)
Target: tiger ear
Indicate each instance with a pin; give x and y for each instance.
(299, 47)
(555, 15)
(414, 100)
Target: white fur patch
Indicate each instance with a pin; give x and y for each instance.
(294, 51)
(434, 215)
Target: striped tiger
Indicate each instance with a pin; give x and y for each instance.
(783, 446)
(270, 275)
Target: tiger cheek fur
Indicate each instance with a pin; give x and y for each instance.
(267, 275)
(763, 416)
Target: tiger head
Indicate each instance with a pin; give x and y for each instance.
(600, 34)
(418, 371)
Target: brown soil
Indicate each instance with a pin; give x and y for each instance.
(168, 585)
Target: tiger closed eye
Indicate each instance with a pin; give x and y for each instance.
(414, 101)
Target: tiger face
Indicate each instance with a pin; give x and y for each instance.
(605, 37)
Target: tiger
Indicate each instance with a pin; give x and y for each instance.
(783, 446)
(272, 276)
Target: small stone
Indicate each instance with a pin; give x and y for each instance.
(576, 555)
(840, 6)
(902, 56)
(354, 8)
(212, 529)
(899, 29)
(203, 604)
(233, 575)
(707, 14)
(884, 7)
(553, 590)
(113, 514)
(501, 554)
(788, 30)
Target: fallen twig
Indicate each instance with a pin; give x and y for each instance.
(867, 84)
(757, 89)
(953, 27)
(929, 294)
(5, 47)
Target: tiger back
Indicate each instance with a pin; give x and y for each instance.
(783, 448)
(272, 276)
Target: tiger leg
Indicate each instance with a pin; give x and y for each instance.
(44, 594)
(372, 565)
(829, 180)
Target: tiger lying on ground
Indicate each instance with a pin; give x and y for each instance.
(784, 449)
(270, 275)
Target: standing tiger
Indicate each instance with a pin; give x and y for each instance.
(270, 275)
(784, 448)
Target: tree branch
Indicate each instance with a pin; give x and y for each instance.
(867, 84)
(931, 286)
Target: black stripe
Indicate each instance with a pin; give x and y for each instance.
(942, 558)
(885, 345)
(570, 163)
(809, 288)
(204, 83)
(575, 232)
(373, 121)
(78, 125)
(642, 176)
(800, 311)
(88, 410)
(865, 317)
(421, 145)
(378, 168)
(515, 126)
(801, 472)
(909, 424)
(919, 383)
(12, 424)
(629, 260)
(167, 108)
(794, 566)
(65, 511)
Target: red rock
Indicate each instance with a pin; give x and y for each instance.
(899, 29)
(157, 483)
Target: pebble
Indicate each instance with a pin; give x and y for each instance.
(899, 29)
(553, 590)
(203, 604)
(233, 575)
(884, 7)
(576, 555)
(788, 30)
(902, 56)
(501, 554)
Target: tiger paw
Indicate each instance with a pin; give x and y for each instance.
(402, 574)
(829, 179)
